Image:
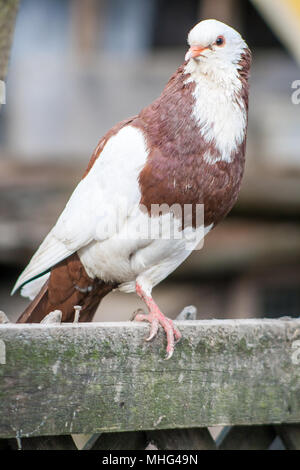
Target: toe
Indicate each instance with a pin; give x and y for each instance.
(170, 351)
(139, 311)
(141, 317)
(154, 329)
(177, 333)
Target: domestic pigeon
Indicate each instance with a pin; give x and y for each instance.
(187, 148)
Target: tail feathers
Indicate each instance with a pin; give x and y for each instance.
(50, 252)
(68, 285)
(32, 288)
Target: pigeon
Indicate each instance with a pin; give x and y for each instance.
(187, 148)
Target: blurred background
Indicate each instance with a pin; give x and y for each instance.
(78, 67)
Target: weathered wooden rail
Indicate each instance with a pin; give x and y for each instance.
(104, 378)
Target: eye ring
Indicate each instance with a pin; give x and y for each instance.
(220, 41)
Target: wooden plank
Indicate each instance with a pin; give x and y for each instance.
(246, 438)
(104, 377)
(290, 435)
(182, 439)
(227, 11)
(132, 440)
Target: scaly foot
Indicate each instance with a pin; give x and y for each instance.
(156, 318)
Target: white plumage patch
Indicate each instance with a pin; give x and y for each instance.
(219, 114)
(219, 109)
(32, 289)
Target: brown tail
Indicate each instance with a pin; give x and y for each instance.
(68, 285)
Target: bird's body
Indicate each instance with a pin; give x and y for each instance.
(186, 148)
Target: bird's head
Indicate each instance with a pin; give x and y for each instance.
(215, 47)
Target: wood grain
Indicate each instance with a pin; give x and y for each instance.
(104, 377)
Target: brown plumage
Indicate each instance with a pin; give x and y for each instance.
(176, 172)
(67, 286)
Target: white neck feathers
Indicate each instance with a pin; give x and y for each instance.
(219, 108)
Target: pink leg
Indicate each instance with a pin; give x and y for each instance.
(156, 318)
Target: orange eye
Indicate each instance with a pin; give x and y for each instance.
(220, 41)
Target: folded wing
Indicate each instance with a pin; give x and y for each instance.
(99, 205)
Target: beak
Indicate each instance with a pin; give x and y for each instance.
(194, 51)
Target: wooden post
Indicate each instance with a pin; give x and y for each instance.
(227, 11)
(8, 12)
(85, 27)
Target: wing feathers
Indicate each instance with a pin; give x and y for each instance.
(50, 252)
(111, 183)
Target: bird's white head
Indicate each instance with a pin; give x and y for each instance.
(215, 48)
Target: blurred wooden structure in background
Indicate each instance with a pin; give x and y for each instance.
(32, 195)
(8, 12)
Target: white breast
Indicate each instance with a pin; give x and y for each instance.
(144, 249)
(219, 112)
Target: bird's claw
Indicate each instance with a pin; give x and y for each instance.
(156, 318)
(139, 311)
(169, 354)
(153, 329)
